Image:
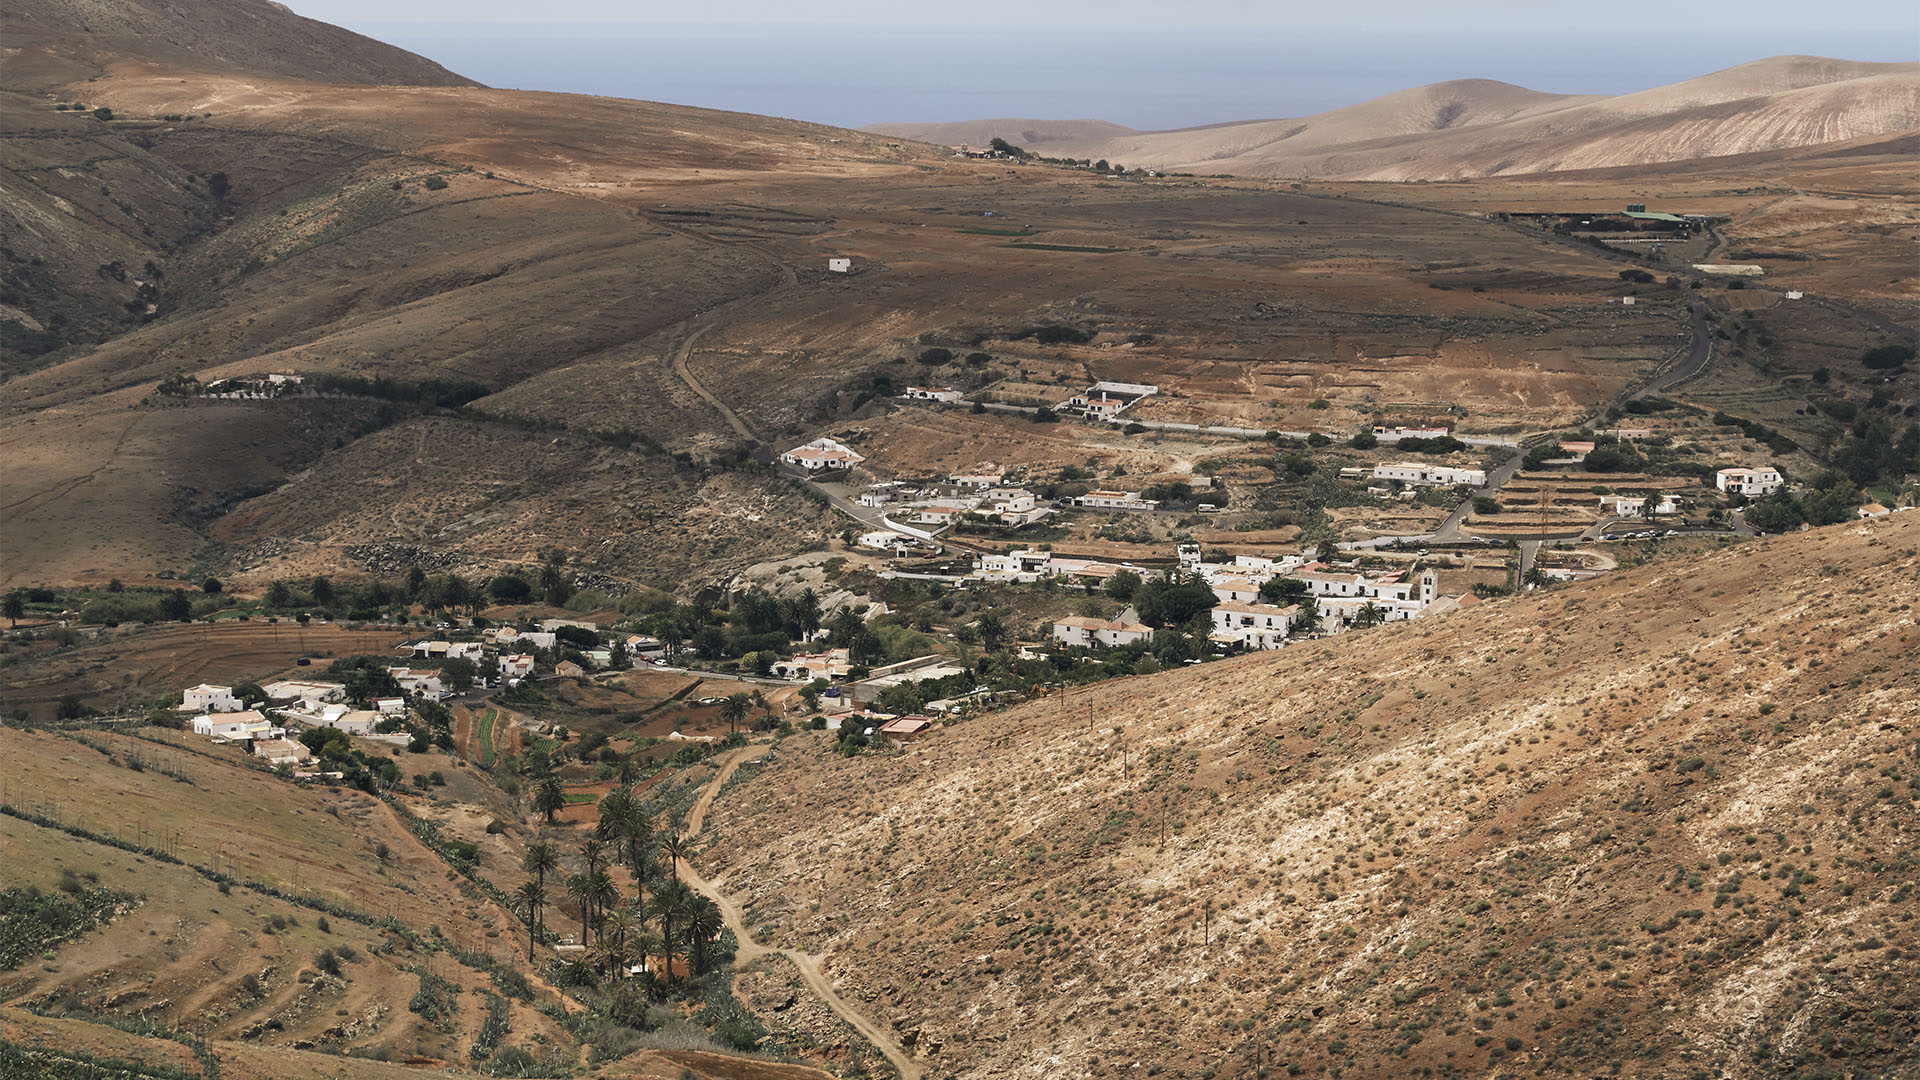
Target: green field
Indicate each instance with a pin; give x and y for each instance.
(484, 731)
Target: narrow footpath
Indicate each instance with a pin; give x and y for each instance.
(749, 950)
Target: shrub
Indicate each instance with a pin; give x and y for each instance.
(1887, 357)
(436, 183)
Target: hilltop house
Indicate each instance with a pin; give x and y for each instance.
(822, 454)
(1749, 482)
(1123, 629)
(390, 706)
(207, 698)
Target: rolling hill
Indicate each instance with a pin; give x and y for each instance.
(1479, 128)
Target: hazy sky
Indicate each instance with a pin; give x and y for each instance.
(1144, 63)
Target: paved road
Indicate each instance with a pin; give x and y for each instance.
(1697, 356)
(808, 964)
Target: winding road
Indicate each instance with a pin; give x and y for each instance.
(749, 950)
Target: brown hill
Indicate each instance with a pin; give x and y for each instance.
(51, 42)
(1659, 824)
(1477, 127)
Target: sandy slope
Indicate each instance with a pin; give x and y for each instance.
(1477, 127)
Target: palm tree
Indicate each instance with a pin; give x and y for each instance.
(1368, 615)
(593, 851)
(580, 891)
(540, 861)
(703, 924)
(669, 904)
(603, 894)
(624, 823)
(549, 797)
(532, 895)
(734, 709)
(613, 814)
(619, 931)
(676, 848)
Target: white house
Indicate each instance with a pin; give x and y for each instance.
(839, 265)
(297, 689)
(1010, 501)
(1394, 434)
(516, 667)
(1636, 505)
(1105, 400)
(356, 722)
(1257, 626)
(1749, 482)
(390, 706)
(822, 454)
(426, 683)
(1412, 472)
(1423, 590)
(937, 516)
(1116, 500)
(236, 726)
(1235, 590)
(832, 664)
(881, 494)
(280, 751)
(977, 480)
(932, 393)
(1123, 629)
(207, 698)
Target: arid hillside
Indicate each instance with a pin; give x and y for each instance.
(1660, 824)
(1477, 127)
(51, 42)
(542, 322)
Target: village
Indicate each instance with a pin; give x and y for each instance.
(984, 587)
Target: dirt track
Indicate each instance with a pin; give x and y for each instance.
(807, 963)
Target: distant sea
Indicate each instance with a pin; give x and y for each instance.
(1146, 80)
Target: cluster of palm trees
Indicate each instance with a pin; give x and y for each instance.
(617, 928)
